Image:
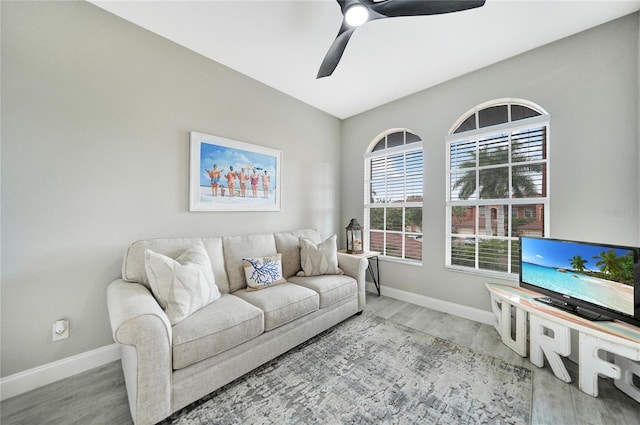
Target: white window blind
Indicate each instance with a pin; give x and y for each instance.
(393, 195)
(497, 186)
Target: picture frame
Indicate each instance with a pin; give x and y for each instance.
(228, 175)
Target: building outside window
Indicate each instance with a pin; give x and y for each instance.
(393, 195)
(497, 184)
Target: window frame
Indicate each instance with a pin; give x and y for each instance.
(477, 135)
(369, 155)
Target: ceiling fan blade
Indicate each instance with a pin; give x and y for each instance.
(335, 52)
(379, 9)
(393, 8)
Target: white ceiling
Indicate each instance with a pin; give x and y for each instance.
(282, 43)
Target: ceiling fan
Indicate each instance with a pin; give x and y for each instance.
(358, 12)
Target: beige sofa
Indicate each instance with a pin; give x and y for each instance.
(168, 367)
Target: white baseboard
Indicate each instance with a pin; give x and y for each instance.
(459, 310)
(37, 377)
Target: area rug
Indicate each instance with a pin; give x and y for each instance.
(368, 370)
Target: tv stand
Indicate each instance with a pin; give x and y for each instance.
(548, 331)
(574, 309)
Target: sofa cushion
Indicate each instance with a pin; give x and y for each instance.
(288, 244)
(319, 259)
(331, 289)
(263, 272)
(216, 255)
(184, 285)
(238, 247)
(282, 303)
(133, 262)
(215, 328)
(133, 268)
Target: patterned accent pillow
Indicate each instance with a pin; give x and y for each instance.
(263, 272)
(319, 259)
(184, 285)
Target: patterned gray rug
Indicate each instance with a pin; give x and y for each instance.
(369, 370)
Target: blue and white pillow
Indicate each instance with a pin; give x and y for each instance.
(263, 272)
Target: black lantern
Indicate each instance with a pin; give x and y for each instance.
(355, 241)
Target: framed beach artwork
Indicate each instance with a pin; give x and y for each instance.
(227, 175)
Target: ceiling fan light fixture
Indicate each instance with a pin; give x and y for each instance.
(356, 15)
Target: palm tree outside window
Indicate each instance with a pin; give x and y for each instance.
(497, 184)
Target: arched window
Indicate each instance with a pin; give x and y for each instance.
(497, 184)
(393, 195)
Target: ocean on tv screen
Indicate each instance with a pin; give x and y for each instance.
(602, 292)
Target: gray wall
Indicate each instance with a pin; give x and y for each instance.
(96, 115)
(589, 85)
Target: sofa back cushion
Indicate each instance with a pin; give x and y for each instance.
(226, 254)
(247, 246)
(133, 269)
(288, 244)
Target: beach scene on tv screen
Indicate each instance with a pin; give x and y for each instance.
(597, 274)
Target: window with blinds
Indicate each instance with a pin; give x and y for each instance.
(497, 185)
(393, 195)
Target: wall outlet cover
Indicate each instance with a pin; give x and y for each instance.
(58, 336)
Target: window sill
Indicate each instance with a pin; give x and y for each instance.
(400, 261)
(484, 273)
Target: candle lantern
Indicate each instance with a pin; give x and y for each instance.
(355, 241)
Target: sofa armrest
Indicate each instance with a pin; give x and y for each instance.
(144, 332)
(356, 267)
(127, 301)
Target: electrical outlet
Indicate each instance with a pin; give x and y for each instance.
(60, 330)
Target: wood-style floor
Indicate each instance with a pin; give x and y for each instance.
(98, 396)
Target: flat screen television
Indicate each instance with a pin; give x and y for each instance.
(592, 280)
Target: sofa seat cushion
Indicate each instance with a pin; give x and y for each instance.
(282, 304)
(215, 328)
(331, 288)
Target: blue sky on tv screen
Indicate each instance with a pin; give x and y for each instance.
(558, 254)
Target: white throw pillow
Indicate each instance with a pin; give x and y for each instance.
(319, 259)
(184, 285)
(263, 272)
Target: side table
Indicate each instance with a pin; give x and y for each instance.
(369, 255)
